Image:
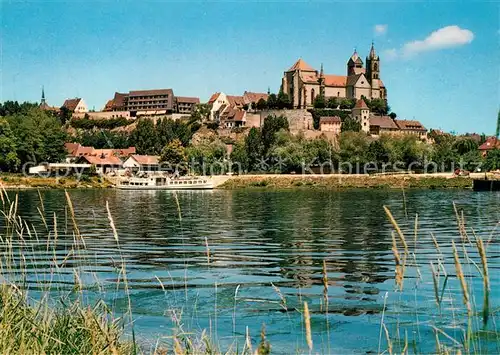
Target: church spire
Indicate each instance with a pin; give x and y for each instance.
(42, 102)
(372, 55)
(321, 74)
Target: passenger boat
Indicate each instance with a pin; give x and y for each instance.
(160, 182)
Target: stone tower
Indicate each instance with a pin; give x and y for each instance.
(373, 72)
(361, 113)
(355, 64)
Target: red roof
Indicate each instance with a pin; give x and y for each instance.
(410, 125)
(384, 122)
(301, 65)
(146, 159)
(361, 104)
(154, 92)
(102, 159)
(335, 80)
(254, 96)
(78, 150)
(71, 104)
(214, 97)
(236, 100)
(491, 143)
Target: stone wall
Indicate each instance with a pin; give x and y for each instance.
(298, 119)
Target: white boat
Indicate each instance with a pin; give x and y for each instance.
(160, 182)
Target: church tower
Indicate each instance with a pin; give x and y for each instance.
(321, 81)
(373, 72)
(355, 64)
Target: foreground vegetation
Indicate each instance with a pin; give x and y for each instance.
(37, 323)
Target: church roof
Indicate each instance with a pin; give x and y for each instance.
(361, 104)
(353, 79)
(335, 80)
(355, 58)
(301, 65)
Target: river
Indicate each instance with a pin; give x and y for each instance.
(264, 260)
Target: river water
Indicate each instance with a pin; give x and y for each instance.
(260, 238)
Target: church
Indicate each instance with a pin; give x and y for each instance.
(303, 83)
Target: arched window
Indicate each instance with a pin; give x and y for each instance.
(312, 96)
(375, 67)
(338, 93)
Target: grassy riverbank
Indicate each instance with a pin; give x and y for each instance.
(19, 181)
(346, 181)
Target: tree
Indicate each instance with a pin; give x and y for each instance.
(350, 125)
(393, 115)
(492, 161)
(319, 102)
(8, 156)
(378, 152)
(378, 106)
(201, 113)
(465, 145)
(174, 154)
(272, 102)
(272, 124)
(332, 102)
(65, 114)
(353, 148)
(239, 157)
(345, 104)
(261, 104)
(145, 138)
(253, 148)
(283, 101)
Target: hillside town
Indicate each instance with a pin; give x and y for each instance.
(310, 105)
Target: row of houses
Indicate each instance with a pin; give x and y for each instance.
(373, 124)
(82, 158)
(232, 111)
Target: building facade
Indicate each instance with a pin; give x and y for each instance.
(76, 105)
(151, 102)
(303, 83)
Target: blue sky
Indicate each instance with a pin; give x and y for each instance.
(439, 61)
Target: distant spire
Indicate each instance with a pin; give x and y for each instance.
(269, 90)
(321, 74)
(372, 55)
(43, 96)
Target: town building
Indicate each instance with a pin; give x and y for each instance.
(490, 144)
(151, 102)
(76, 105)
(136, 163)
(303, 83)
(235, 111)
(330, 124)
(74, 151)
(412, 127)
(382, 125)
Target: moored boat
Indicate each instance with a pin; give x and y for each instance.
(161, 182)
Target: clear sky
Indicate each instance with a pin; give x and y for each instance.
(440, 61)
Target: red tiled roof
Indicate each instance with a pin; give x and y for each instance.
(381, 84)
(71, 104)
(236, 100)
(335, 80)
(330, 119)
(119, 100)
(491, 143)
(254, 96)
(410, 125)
(71, 147)
(361, 104)
(384, 122)
(301, 65)
(108, 106)
(146, 159)
(214, 97)
(102, 159)
(77, 150)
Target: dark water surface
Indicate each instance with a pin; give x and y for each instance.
(262, 238)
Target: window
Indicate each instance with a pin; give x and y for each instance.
(375, 67)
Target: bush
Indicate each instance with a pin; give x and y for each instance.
(87, 123)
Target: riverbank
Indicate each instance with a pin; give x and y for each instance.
(18, 181)
(428, 181)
